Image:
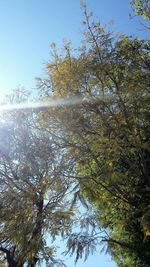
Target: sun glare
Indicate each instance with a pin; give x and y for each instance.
(1, 96)
(54, 102)
(41, 105)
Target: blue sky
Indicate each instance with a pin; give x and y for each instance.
(28, 27)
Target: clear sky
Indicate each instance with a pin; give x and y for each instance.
(27, 27)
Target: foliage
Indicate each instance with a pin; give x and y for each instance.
(33, 191)
(94, 144)
(141, 7)
(104, 128)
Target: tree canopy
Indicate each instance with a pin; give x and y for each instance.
(92, 146)
(33, 194)
(106, 131)
(141, 8)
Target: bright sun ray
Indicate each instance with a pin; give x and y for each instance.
(38, 105)
(52, 103)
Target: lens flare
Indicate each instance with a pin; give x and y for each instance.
(40, 105)
(54, 102)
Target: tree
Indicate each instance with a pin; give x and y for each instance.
(105, 129)
(33, 190)
(141, 8)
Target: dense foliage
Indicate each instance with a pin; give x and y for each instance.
(91, 145)
(141, 8)
(33, 191)
(105, 129)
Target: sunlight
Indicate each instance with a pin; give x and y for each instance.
(54, 102)
(1, 96)
(38, 105)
